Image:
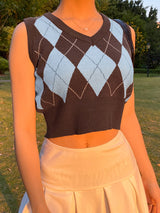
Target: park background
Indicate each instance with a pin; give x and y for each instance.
(146, 82)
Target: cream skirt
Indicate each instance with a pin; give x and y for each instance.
(99, 179)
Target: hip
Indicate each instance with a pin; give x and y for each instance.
(84, 168)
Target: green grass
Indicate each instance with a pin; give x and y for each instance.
(11, 187)
(147, 102)
(5, 76)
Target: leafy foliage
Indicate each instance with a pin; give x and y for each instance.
(3, 65)
(132, 12)
(5, 38)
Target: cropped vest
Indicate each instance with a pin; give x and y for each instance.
(81, 82)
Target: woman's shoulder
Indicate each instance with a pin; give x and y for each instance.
(21, 26)
(19, 30)
(27, 22)
(25, 34)
(26, 26)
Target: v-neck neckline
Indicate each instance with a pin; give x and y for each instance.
(91, 39)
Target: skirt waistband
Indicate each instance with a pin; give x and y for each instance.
(85, 168)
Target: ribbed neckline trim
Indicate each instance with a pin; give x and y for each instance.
(91, 39)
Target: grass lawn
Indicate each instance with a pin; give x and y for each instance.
(147, 96)
(5, 76)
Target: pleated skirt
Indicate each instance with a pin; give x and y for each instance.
(99, 179)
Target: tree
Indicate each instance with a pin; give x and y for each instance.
(13, 12)
(132, 12)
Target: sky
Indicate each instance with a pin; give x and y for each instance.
(155, 4)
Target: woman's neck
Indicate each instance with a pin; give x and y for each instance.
(79, 9)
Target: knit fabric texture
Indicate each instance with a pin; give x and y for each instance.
(81, 82)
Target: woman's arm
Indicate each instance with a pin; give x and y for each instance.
(24, 114)
(131, 128)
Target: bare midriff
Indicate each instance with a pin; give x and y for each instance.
(90, 139)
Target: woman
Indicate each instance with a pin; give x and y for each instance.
(76, 67)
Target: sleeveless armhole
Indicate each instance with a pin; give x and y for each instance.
(32, 40)
(133, 59)
(128, 35)
(130, 89)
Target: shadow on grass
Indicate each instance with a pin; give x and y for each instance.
(10, 197)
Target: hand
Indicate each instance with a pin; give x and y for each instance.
(153, 195)
(41, 209)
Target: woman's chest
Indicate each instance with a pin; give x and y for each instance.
(76, 68)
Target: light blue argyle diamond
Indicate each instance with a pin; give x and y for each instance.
(38, 89)
(88, 63)
(116, 30)
(97, 81)
(126, 67)
(96, 67)
(58, 73)
(107, 66)
(48, 30)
